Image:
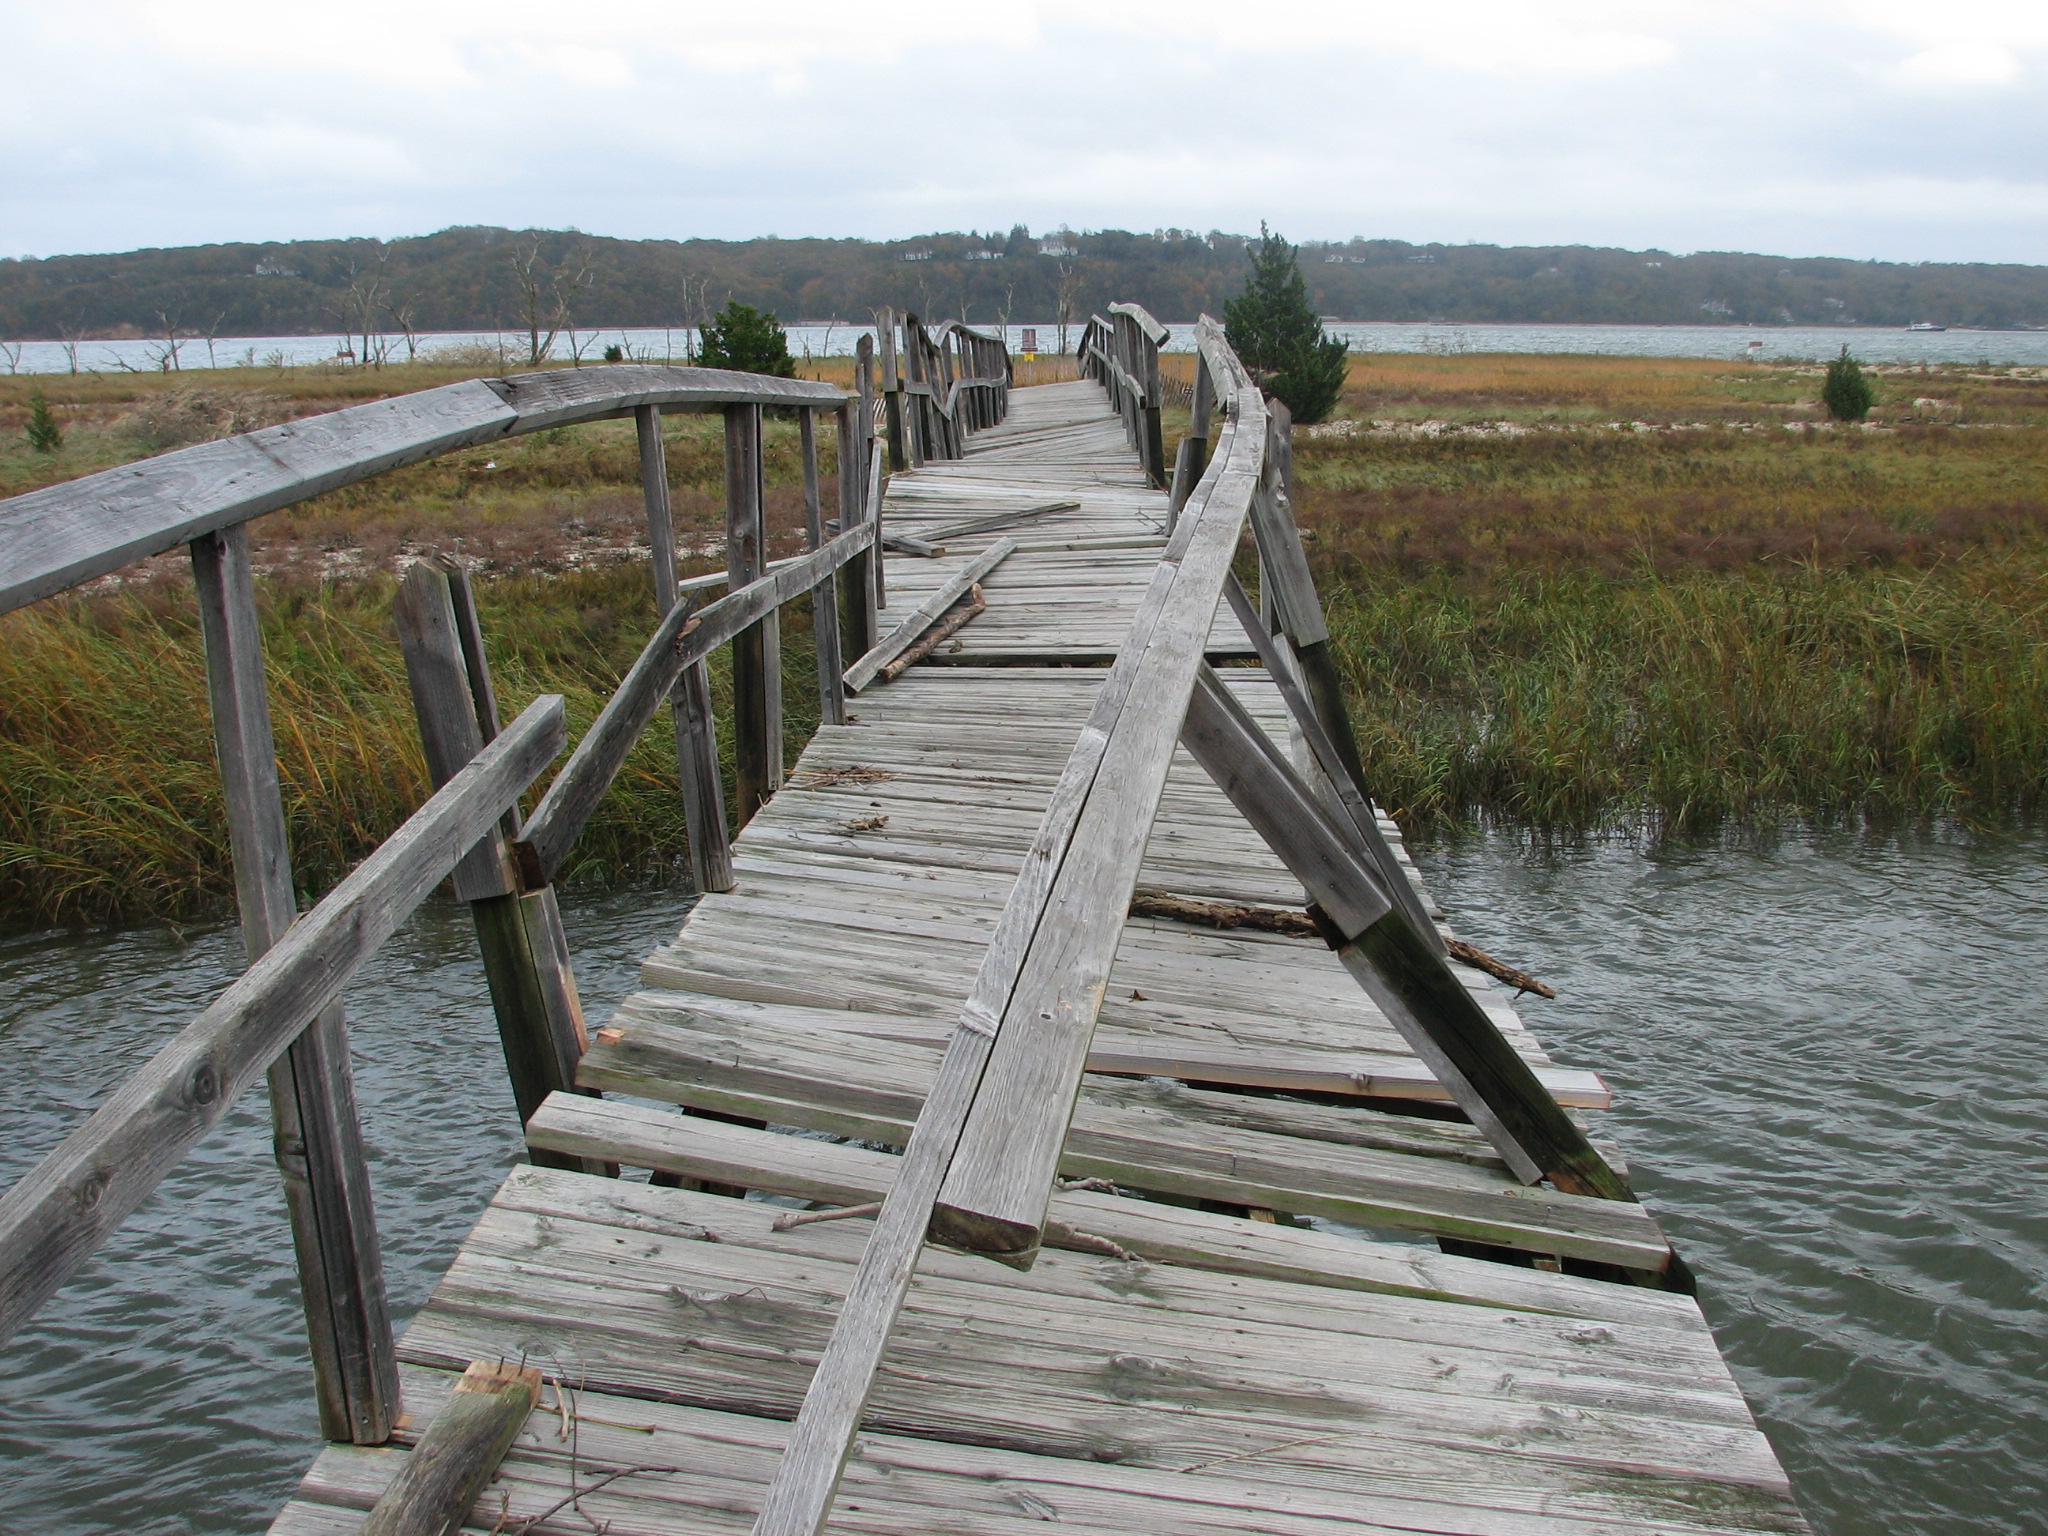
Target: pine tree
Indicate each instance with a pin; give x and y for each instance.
(1275, 332)
(747, 340)
(1846, 393)
(44, 435)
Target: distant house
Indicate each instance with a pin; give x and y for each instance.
(915, 256)
(1053, 245)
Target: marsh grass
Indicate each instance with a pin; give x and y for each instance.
(1705, 620)
(109, 798)
(1724, 616)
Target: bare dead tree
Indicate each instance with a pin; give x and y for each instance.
(1070, 288)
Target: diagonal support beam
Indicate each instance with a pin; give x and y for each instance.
(1380, 946)
(1330, 759)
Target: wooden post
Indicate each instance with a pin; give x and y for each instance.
(869, 467)
(1155, 443)
(918, 386)
(892, 389)
(447, 1471)
(825, 595)
(690, 703)
(525, 950)
(757, 650)
(316, 1134)
(857, 593)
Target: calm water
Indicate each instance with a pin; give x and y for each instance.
(1734, 343)
(1829, 1054)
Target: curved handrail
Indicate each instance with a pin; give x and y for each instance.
(65, 534)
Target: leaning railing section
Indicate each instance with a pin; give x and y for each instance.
(282, 1016)
(938, 385)
(1121, 353)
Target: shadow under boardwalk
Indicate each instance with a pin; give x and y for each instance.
(1271, 1342)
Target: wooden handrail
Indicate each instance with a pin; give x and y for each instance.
(55, 1217)
(58, 537)
(680, 641)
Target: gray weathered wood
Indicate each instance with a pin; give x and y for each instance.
(1336, 770)
(70, 533)
(316, 1134)
(824, 596)
(525, 956)
(857, 591)
(444, 703)
(453, 1462)
(1404, 976)
(678, 645)
(995, 1192)
(756, 651)
(690, 698)
(892, 391)
(57, 1214)
(928, 613)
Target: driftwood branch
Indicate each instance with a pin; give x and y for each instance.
(968, 608)
(1147, 902)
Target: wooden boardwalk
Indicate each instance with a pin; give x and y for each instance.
(1190, 1362)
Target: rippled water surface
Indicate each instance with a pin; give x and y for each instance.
(1831, 1061)
(1829, 1054)
(166, 1389)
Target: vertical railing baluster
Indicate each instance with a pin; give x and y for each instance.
(892, 389)
(756, 650)
(317, 1136)
(825, 595)
(519, 932)
(858, 592)
(696, 731)
(864, 497)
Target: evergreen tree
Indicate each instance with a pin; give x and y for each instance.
(747, 340)
(1275, 332)
(44, 435)
(1846, 393)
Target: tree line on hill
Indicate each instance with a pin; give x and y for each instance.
(481, 278)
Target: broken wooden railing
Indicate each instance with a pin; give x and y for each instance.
(979, 1166)
(283, 1015)
(938, 387)
(1121, 353)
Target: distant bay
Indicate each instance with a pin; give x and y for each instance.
(1732, 343)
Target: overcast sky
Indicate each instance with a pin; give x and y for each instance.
(1901, 129)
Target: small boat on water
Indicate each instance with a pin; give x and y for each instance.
(1925, 325)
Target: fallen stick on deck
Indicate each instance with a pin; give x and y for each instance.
(906, 634)
(1146, 902)
(931, 542)
(461, 1449)
(972, 606)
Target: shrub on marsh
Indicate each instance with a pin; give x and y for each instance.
(44, 435)
(1845, 391)
(1274, 330)
(747, 340)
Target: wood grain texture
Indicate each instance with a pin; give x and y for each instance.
(316, 1134)
(696, 732)
(950, 589)
(457, 1456)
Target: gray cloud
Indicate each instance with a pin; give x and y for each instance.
(1880, 131)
